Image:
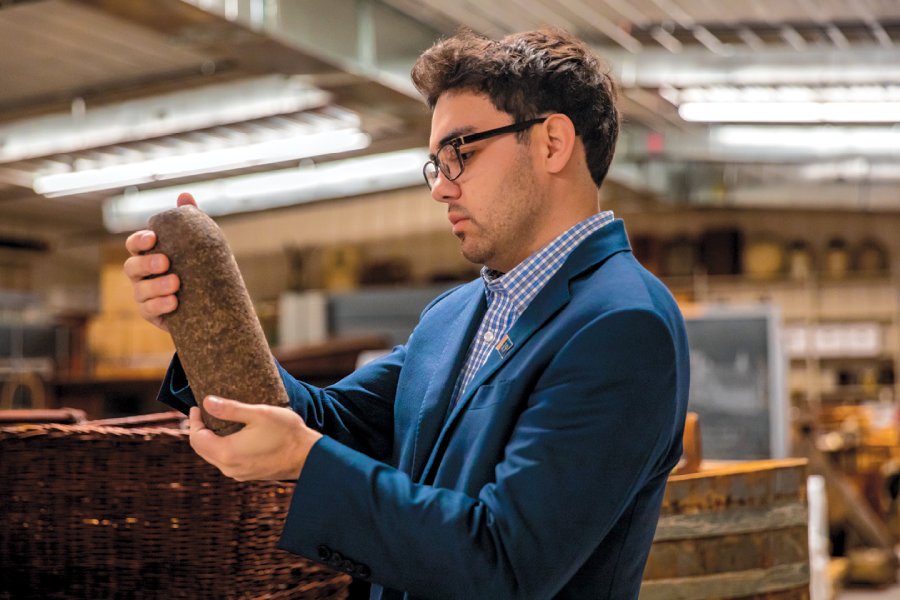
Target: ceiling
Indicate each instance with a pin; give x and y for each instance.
(65, 64)
(638, 25)
(92, 83)
(766, 56)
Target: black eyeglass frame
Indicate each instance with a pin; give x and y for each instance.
(470, 138)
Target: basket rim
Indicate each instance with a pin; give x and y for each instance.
(87, 429)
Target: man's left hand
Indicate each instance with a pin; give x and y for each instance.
(273, 445)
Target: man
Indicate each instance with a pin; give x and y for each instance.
(518, 445)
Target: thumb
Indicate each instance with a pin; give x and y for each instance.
(185, 198)
(230, 410)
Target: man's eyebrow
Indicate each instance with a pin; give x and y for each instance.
(455, 133)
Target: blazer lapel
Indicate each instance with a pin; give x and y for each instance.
(459, 330)
(541, 308)
(598, 247)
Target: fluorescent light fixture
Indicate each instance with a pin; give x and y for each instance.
(157, 116)
(781, 93)
(273, 189)
(787, 103)
(855, 169)
(790, 112)
(207, 161)
(821, 141)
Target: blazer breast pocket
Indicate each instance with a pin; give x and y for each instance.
(487, 396)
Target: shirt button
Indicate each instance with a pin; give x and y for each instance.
(488, 336)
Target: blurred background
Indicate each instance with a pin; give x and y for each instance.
(758, 173)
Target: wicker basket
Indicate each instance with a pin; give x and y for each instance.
(20, 416)
(90, 511)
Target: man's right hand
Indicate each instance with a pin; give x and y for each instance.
(153, 291)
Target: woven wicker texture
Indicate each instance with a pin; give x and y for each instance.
(69, 416)
(96, 512)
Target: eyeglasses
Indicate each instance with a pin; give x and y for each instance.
(449, 160)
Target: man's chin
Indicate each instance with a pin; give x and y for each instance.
(474, 255)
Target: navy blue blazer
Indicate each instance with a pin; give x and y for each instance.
(545, 479)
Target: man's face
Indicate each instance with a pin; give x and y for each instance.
(496, 204)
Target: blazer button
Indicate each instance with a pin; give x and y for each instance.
(347, 566)
(362, 572)
(324, 553)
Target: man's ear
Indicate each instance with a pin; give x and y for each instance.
(559, 142)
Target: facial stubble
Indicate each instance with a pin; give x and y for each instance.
(509, 224)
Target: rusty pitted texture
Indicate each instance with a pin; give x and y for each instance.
(216, 332)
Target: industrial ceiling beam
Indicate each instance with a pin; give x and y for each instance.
(363, 37)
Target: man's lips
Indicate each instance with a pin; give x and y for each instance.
(458, 222)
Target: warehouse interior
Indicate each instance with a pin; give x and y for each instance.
(757, 172)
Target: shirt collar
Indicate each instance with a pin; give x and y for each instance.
(543, 263)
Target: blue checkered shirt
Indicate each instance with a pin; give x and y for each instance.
(509, 294)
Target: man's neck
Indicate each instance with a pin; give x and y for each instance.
(555, 228)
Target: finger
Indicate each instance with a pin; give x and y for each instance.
(209, 446)
(232, 410)
(157, 307)
(140, 241)
(145, 265)
(185, 198)
(203, 440)
(147, 289)
(195, 419)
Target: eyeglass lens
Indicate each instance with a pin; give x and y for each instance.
(450, 164)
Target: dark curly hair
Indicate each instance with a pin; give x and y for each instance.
(526, 75)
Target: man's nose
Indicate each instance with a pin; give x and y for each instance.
(444, 190)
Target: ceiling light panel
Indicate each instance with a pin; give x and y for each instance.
(273, 189)
(790, 112)
(167, 114)
(787, 104)
(279, 139)
(778, 141)
(783, 93)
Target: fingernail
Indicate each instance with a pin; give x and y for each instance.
(147, 237)
(214, 402)
(156, 262)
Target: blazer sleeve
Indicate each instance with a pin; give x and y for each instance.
(596, 428)
(356, 411)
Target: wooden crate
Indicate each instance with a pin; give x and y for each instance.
(732, 531)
